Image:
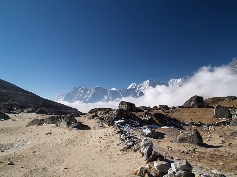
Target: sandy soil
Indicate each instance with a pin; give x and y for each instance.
(68, 152)
(64, 152)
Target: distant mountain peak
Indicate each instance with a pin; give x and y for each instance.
(146, 84)
(132, 85)
(177, 81)
(60, 97)
(99, 94)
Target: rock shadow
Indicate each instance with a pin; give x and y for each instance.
(81, 126)
(210, 146)
(160, 135)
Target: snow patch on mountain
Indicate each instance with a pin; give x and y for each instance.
(177, 81)
(133, 85)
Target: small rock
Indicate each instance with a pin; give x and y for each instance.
(152, 173)
(154, 156)
(48, 133)
(141, 171)
(136, 147)
(222, 141)
(10, 163)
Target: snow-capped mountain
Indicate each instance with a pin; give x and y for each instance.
(177, 81)
(60, 97)
(99, 94)
(76, 94)
(132, 85)
(145, 85)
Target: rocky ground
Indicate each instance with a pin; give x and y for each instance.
(217, 153)
(187, 141)
(48, 150)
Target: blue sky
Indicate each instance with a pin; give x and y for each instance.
(49, 47)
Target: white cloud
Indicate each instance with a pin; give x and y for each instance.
(85, 107)
(207, 82)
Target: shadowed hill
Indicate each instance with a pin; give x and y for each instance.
(14, 98)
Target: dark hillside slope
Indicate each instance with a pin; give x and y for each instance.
(14, 98)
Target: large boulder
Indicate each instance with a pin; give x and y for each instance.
(161, 166)
(146, 148)
(97, 110)
(182, 165)
(195, 102)
(192, 137)
(108, 116)
(146, 151)
(3, 116)
(35, 122)
(154, 157)
(221, 112)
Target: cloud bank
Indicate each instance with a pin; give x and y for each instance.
(207, 82)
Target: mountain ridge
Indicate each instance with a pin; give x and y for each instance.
(100, 94)
(16, 99)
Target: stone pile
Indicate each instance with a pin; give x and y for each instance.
(157, 165)
(108, 117)
(166, 169)
(189, 136)
(128, 140)
(127, 118)
(60, 121)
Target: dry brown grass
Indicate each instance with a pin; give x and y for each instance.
(204, 115)
(221, 101)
